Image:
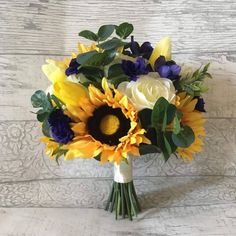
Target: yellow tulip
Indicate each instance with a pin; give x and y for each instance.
(70, 93)
(54, 70)
(163, 48)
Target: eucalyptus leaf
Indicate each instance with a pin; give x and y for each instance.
(84, 57)
(105, 31)
(88, 35)
(46, 128)
(145, 117)
(158, 112)
(184, 138)
(113, 43)
(124, 30)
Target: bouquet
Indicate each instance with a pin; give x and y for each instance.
(115, 100)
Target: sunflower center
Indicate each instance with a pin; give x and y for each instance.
(109, 124)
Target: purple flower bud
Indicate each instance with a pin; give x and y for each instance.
(73, 67)
(200, 104)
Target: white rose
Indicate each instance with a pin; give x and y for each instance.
(144, 92)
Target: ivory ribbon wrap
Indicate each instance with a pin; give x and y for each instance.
(123, 173)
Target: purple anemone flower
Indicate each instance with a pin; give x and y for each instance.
(59, 125)
(133, 69)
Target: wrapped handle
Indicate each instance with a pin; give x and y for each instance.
(123, 173)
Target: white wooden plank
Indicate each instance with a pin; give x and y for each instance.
(21, 76)
(213, 220)
(52, 26)
(22, 156)
(93, 193)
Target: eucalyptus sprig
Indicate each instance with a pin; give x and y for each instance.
(193, 84)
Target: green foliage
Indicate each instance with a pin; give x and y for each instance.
(59, 152)
(88, 35)
(145, 116)
(124, 30)
(40, 100)
(92, 73)
(96, 59)
(82, 58)
(184, 138)
(159, 117)
(105, 31)
(113, 43)
(194, 84)
(116, 75)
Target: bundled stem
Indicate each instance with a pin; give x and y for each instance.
(123, 200)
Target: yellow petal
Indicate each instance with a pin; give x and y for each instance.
(163, 48)
(70, 93)
(54, 71)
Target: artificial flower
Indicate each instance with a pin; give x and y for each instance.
(73, 67)
(167, 69)
(194, 119)
(163, 48)
(144, 92)
(200, 104)
(134, 69)
(60, 126)
(55, 70)
(107, 123)
(145, 50)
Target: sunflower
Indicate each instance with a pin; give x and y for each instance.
(105, 122)
(194, 119)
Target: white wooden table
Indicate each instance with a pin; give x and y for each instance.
(37, 197)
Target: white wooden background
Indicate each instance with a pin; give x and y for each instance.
(179, 199)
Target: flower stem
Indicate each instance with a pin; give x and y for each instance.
(123, 200)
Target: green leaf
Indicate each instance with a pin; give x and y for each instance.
(42, 116)
(92, 73)
(105, 31)
(124, 30)
(40, 99)
(115, 70)
(84, 57)
(46, 128)
(171, 111)
(145, 117)
(109, 56)
(176, 125)
(88, 35)
(113, 43)
(184, 138)
(57, 101)
(147, 149)
(158, 112)
(119, 79)
(167, 145)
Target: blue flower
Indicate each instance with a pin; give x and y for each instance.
(200, 104)
(145, 50)
(73, 67)
(167, 69)
(59, 125)
(133, 69)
